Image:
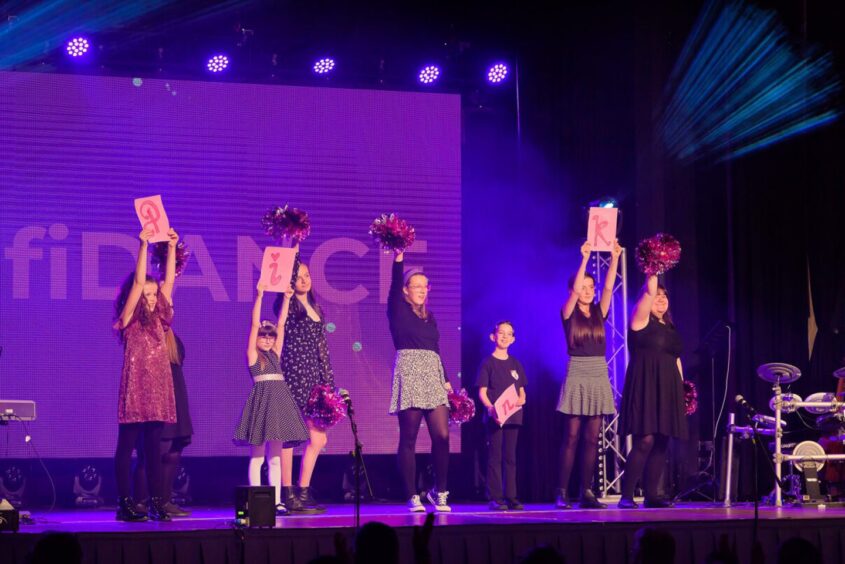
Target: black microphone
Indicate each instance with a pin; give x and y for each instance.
(344, 395)
(740, 401)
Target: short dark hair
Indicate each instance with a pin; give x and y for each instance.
(502, 322)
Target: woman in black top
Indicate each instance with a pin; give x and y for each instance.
(585, 395)
(419, 382)
(652, 407)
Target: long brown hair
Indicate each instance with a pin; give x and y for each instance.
(145, 316)
(583, 329)
(667, 317)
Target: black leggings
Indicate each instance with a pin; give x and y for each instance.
(437, 420)
(586, 427)
(127, 437)
(171, 458)
(649, 454)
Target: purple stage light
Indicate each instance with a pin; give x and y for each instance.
(218, 63)
(77, 46)
(497, 73)
(324, 65)
(429, 74)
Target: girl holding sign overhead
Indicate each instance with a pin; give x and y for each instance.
(419, 382)
(270, 420)
(498, 373)
(585, 395)
(146, 400)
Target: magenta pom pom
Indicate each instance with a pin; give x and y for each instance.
(690, 397)
(658, 254)
(159, 257)
(325, 407)
(281, 222)
(461, 407)
(391, 233)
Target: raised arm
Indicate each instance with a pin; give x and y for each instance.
(575, 291)
(140, 278)
(394, 296)
(251, 354)
(280, 324)
(643, 308)
(170, 269)
(610, 279)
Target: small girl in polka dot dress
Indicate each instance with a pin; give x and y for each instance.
(270, 420)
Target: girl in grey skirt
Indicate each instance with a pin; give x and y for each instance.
(585, 395)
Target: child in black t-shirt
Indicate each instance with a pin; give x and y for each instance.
(497, 373)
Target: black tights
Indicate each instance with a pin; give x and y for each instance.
(587, 427)
(437, 420)
(127, 437)
(171, 458)
(649, 454)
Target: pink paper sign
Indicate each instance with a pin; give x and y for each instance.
(151, 213)
(506, 404)
(601, 228)
(277, 268)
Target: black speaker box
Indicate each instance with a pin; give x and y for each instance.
(255, 506)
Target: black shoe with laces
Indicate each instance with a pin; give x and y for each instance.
(127, 511)
(156, 510)
(307, 500)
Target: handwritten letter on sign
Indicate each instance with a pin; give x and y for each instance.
(601, 228)
(506, 404)
(277, 268)
(150, 211)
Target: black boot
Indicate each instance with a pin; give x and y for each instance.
(291, 501)
(126, 510)
(589, 501)
(156, 510)
(308, 501)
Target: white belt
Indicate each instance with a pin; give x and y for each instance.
(268, 378)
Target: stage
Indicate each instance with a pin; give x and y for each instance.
(470, 534)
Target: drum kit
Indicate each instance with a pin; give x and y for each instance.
(808, 456)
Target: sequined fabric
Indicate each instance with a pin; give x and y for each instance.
(146, 384)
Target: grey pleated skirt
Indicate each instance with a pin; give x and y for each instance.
(418, 381)
(586, 389)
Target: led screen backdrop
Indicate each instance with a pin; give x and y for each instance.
(78, 149)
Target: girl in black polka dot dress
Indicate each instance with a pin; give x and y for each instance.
(305, 362)
(271, 420)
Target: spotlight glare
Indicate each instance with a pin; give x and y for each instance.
(429, 74)
(497, 73)
(77, 47)
(218, 63)
(324, 65)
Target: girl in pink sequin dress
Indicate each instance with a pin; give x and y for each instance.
(145, 397)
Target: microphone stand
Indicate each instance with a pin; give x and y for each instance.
(360, 467)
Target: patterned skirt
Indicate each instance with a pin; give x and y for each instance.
(418, 381)
(586, 389)
(270, 414)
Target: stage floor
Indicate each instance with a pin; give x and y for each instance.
(395, 515)
(471, 533)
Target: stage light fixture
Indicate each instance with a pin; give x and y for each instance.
(324, 65)
(218, 63)
(86, 487)
(497, 73)
(77, 47)
(12, 485)
(429, 74)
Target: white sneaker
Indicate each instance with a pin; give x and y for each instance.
(415, 505)
(439, 500)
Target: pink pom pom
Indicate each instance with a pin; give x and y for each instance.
(325, 407)
(391, 233)
(461, 407)
(159, 257)
(280, 222)
(690, 397)
(658, 254)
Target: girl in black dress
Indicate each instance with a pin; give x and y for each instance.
(653, 398)
(305, 363)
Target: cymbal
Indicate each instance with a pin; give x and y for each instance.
(778, 373)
